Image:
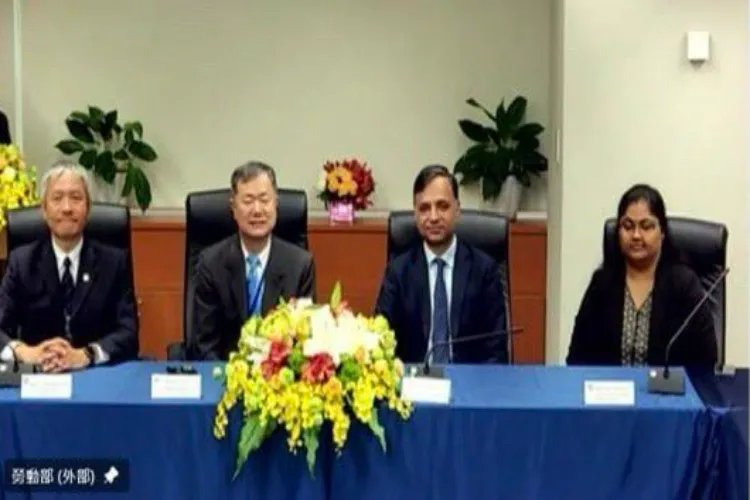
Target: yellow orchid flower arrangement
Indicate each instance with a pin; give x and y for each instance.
(17, 182)
(305, 365)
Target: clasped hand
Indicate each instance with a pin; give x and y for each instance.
(54, 355)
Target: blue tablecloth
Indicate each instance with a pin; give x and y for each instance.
(727, 396)
(524, 433)
(511, 432)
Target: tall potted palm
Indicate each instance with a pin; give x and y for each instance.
(505, 155)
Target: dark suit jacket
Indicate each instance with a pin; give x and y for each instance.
(677, 290)
(477, 305)
(31, 308)
(220, 307)
(4, 129)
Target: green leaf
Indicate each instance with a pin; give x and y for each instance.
(296, 360)
(377, 429)
(251, 437)
(350, 370)
(80, 131)
(142, 151)
(473, 102)
(129, 137)
(96, 113)
(500, 112)
(80, 116)
(527, 131)
(474, 131)
(310, 439)
(490, 188)
(69, 146)
(108, 125)
(336, 296)
(516, 112)
(127, 187)
(142, 188)
(122, 154)
(105, 166)
(87, 159)
(473, 165)
(138, 129)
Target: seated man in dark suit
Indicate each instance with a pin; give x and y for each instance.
(247, 273)
(443, 289)
(66, 301)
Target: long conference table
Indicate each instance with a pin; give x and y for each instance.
(510, 432)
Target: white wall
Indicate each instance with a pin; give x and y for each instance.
(293, 83)
(634, 110)
(7, 87)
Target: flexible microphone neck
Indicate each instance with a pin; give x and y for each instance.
(451, 342)
(693, 312)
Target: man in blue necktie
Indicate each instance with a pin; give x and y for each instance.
(247, 273)
(443, 289)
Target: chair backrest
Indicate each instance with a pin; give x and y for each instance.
(487, 231)
(108, 223)
(703, 244)
(208, 220)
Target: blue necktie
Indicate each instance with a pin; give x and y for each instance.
(253, 286)
(440, 328)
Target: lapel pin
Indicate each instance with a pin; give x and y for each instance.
(86, 277)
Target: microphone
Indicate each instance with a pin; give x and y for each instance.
(427, 370)
(11, 372)
(662, 381)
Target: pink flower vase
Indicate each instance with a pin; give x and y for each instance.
(341, 212)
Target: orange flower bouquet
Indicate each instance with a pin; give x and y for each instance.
(345, 186)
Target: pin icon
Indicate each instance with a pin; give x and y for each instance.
(111, 475)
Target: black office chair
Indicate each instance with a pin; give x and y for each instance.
(108, 223)
(487, 231)
(208, 220)
(704, 246)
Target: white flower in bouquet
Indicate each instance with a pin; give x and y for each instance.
(337, 336)
(259, 348)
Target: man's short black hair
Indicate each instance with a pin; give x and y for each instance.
(430, 172)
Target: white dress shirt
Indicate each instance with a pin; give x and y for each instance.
(449, 256)
(75, 261)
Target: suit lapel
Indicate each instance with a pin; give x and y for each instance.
(85, 277)
(421, 280)
(237, 277)
(48, 272)
(273, 278)
(461, 270)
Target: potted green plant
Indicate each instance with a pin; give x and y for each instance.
(505, 155)
(112, 151)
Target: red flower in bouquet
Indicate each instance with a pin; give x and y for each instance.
(276, 359)
(318, 369)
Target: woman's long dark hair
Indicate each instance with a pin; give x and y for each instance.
(652, 198)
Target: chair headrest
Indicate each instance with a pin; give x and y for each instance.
(209, 217)
(487, 231)
(108, 223)
(702, 242)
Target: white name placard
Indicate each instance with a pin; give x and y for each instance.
(46, 386)
(175, 386)
(426, 390)
(609, 392)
